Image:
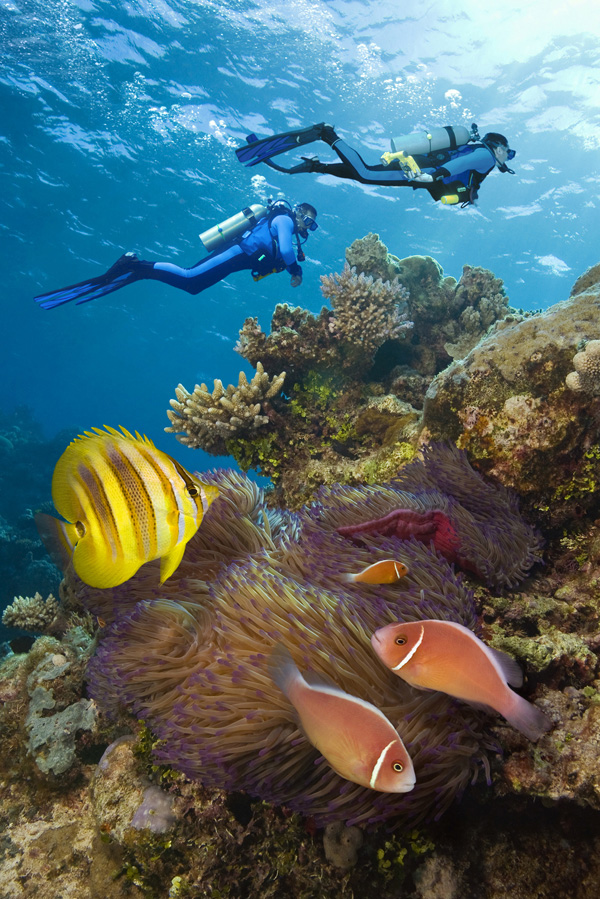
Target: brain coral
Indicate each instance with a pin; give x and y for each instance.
(189, 658)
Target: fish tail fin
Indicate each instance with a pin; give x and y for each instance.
(526, 718)
(59, 538)
(282, 668)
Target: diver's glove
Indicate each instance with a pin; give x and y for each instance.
(296, 280)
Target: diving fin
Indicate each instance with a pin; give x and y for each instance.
(260, 150)
(118, 275)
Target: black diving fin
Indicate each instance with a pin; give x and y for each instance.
(260, 150)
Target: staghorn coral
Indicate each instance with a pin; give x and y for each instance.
(586, 376)
(190, 657)
(32, 613)
(207, 420)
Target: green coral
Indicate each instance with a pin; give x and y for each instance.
(392, 855)
(584, 481)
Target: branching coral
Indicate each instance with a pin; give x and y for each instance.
(207, 420)
(31, 613)
(367, 312)
(586, 377)
(190, 657)
(370, 255)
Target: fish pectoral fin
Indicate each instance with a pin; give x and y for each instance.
(170, 561)
(59, 538)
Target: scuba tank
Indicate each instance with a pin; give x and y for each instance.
(423, 142)
(224, 233)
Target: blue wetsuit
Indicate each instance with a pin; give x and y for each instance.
(463, 168)
(266, 247)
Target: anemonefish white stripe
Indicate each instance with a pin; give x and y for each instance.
(377, 766)
(412, 652)
(399, 574)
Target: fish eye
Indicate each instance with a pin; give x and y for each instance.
(192, 490)
(400, 641)
(398, 767)
(80, 528)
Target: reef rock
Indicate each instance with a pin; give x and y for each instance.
(509, 404)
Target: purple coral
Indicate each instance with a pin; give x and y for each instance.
(190, 657)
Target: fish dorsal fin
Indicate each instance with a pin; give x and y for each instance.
(316, 679)
(107, 430)
(510, 667)
(170, 561)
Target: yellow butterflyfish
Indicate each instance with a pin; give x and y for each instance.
(124, 503)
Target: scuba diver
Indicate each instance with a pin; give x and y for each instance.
(450, 162)
(259, 238)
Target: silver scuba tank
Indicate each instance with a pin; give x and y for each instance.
(423, 142)
(222, 234)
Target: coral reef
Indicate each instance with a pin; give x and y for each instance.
(449, 317)
(77, 837)
(356, 373)
(508, 404)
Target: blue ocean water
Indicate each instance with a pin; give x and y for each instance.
(118, 128)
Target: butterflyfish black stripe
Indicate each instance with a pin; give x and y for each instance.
(137, 498)
(99, 501)
(168, 489)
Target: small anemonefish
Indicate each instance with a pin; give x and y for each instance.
(125, 503)
(386, 571)
(357, 740)
(445, 656)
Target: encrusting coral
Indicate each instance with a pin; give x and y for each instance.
(190, 657)
(207, 420)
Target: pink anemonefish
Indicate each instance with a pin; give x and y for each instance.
(386, 571)
(445, 656)
(357, 740)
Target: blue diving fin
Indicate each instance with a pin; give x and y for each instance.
(121, 273)
(259, 150)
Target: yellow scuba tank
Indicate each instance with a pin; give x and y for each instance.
(423, 142)
(222, 234)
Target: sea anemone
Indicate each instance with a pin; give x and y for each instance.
(190, 657)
